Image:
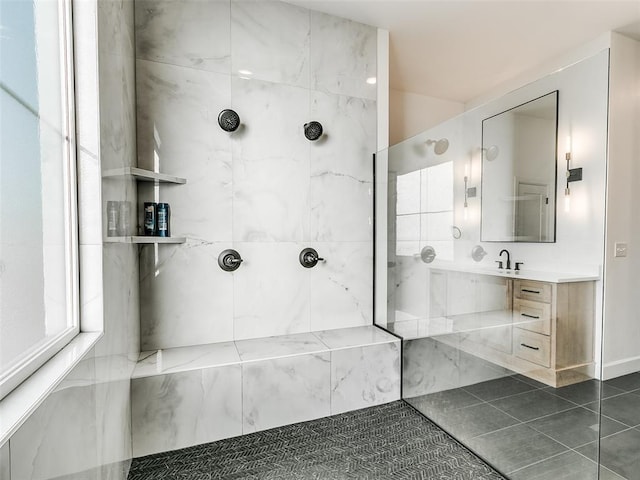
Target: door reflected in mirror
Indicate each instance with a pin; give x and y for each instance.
(519, 149)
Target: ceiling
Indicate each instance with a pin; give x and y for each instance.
(459, 50)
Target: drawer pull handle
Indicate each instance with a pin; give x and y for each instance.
(529, 316)
(529, 346)
(537, 292)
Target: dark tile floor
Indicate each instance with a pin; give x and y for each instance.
(528, 430)
(390, 441)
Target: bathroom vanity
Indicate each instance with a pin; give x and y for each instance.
(538, 324)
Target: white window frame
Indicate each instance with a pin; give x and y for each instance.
(26, 366)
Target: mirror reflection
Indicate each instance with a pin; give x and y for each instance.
(519, 173)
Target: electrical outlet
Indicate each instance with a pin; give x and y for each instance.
(620, 249)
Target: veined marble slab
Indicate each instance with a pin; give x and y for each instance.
(285, 391)
(365, 376)
(182, 359)
(196, 357)
(355, 337)
(279, 347)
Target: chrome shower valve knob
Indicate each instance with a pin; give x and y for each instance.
(229, 260)
(309, 258)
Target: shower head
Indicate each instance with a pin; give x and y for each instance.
(313, 130)
(440, 146)
(228, 120)
(491, 153)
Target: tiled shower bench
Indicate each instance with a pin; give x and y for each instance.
(191, 395)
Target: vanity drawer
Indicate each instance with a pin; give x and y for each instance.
(532, 316)
(530, 290)
(533, 347)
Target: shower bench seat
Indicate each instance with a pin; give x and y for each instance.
(186, 396)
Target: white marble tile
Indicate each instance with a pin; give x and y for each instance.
(270, 291)
(91, 288)
(120, 300)
(113, 421)
(364, 376)
(270, 162)
(178, 134)
(185, 298)
(183, 409)
(5, 462)
(190, 33)
(428, 366)
(60, 437)
(341, 286)
(116, 28)
(117, 78)
(343, 56)
(285, 391)
(270, 41)
(354, 337)
(182, 359)
(280, 346)
(330, 221)
(349, 139)
(270, 200)
(411, 286)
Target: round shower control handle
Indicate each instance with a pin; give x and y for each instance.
(229, 260)
(309, 258)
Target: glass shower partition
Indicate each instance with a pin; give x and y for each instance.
(476, 346)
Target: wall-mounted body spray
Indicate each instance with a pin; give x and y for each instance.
(150, 218)
(163, 220)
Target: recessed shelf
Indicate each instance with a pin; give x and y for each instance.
(143, 175)
(145, 240)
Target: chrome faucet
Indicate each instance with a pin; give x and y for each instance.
(508, 258)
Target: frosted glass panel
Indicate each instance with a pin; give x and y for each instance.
(35, 172)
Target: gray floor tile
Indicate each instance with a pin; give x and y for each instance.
(515, 447)
(585, 392)
(575, 427)
(626, 382)
(620, 453)
(530, 381)
(530, 405)
(501, 387)
(469, 422)
(566, 466)
(623, 408)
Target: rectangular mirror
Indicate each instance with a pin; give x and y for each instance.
(519, 148)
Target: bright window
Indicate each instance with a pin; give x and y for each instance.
(38, 223)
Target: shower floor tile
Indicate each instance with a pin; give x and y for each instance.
(387, 441)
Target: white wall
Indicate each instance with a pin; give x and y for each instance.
(621, 349)
(579, 246)
(412, 113)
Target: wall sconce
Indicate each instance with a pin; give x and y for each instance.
(573, 175)
(469, 192)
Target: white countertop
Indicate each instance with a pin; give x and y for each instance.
(541, 276)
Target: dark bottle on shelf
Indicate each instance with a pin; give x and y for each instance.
(150, 218)
(163, 220)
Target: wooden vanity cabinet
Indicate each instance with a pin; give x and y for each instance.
(553, 328)
(550, 335)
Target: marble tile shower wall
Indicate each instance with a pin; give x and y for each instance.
(264, 190)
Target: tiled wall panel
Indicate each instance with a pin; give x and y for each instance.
(264, 190)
